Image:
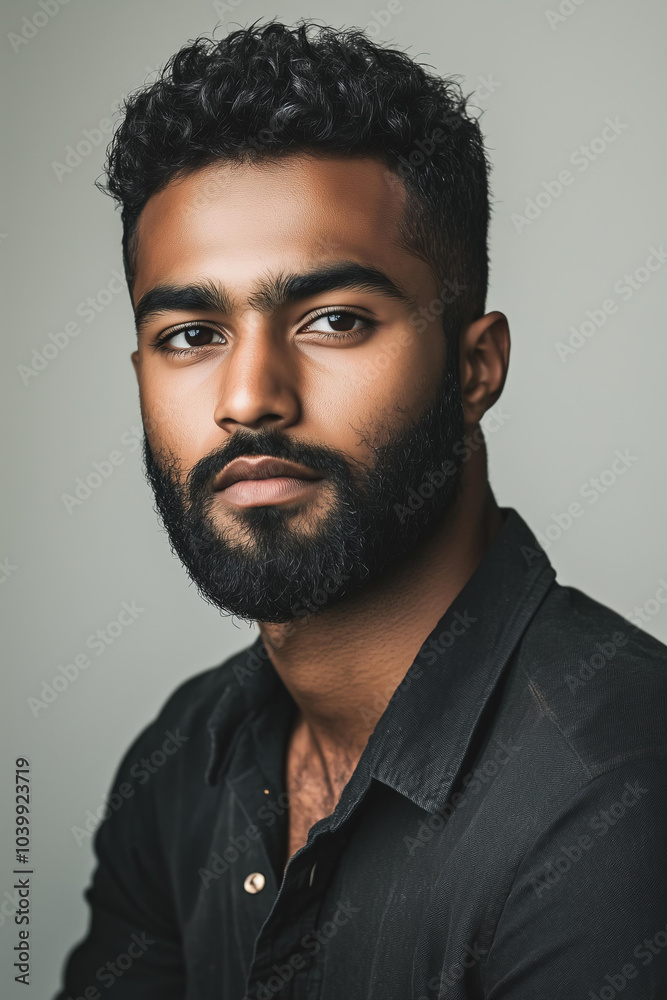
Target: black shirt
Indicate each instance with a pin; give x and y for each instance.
(503, 835)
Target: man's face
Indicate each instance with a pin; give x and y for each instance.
(286, 348)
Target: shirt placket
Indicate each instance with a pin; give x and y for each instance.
(283, 965)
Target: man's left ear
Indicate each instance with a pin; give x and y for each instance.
(485, 351)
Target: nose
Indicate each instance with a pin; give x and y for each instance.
(258, 386)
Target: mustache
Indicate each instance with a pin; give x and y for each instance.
(267, 441)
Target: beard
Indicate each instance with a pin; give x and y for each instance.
(379, 513)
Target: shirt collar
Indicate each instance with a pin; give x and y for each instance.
(422, 738)
(253, 684)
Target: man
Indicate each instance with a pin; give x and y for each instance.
(436, 772)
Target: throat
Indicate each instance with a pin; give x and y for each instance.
(314, 784)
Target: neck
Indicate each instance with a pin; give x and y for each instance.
(342, 664)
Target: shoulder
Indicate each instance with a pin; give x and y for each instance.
(600, 680)
(217, 699)
(192, 702)
(582, 881)
(239, 677)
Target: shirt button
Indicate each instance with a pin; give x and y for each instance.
(254, 882)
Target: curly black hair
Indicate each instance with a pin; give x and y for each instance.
(271, 90)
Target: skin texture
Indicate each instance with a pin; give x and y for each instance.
(275, 366)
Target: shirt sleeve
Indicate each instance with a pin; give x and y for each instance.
(587, 913)
(132, 942)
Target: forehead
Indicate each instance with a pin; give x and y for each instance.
(252, 219)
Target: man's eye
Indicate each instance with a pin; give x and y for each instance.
(192, 336)
(337, 322)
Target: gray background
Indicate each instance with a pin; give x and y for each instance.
(545, 89)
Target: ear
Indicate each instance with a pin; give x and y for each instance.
(485, 351)
(136, 362)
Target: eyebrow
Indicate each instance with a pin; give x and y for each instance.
(269, 293)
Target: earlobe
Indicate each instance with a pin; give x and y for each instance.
(485, 349)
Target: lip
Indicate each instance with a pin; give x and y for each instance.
(262, 467)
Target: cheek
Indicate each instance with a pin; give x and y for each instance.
(368, 395)
(178, 417)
